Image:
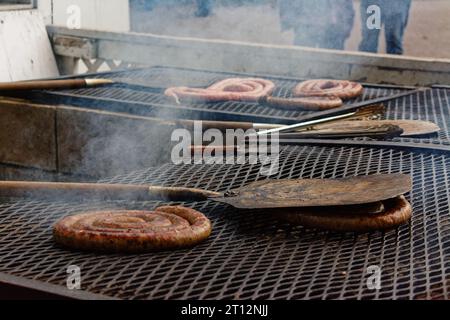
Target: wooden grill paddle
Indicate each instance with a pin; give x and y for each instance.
(379, 132)
(262, 194)
(410, 128)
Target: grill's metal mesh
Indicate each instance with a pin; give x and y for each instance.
(432, 105)
(144, 95)
(252, 255)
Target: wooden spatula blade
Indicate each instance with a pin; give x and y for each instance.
(410, 127)
(318, 192)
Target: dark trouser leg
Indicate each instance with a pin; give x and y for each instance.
(333, 39)
(394, 35)
(141, 5)
(149, 4)
(338, 43)
(204, 8)
(369, 42)
(395, 29)
(306, 38)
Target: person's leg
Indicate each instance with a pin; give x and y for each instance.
(149, 5)
(335, 35)
(369, 42)
(395, 29)
(332, 39)
(306, 37)
(204, 8)
(140, 5)
(394, 34)
(337, 42)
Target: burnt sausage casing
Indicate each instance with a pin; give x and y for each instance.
(133, 231)
(395, 212)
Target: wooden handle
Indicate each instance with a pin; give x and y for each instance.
(43, 84)
(52, 84)
(180, 194)
(375, 132)
(220, 125)
(98, 191)
(71, 191)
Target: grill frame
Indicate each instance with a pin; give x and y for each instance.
(152, 82)
(166, 76)
(179, 275)
(418, 284)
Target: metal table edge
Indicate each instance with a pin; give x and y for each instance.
(33, 289)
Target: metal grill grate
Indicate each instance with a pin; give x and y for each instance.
(252, 255)
(143, 94)
(432, 105)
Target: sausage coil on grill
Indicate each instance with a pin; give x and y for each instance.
(303, 103)
(317, 95)
(233, 89)
(342, 89)
(395, 212)
(308, 95)
(133, 231)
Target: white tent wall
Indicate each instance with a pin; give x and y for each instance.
(25, 50)
(105, 15)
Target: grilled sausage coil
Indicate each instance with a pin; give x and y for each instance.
(133, 231)
(233, 89)
(396, 212)
(342, 89)
(303, 103)
(317, 95)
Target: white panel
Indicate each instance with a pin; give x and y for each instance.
(45, 9)
(107, 15)
(25, 46)
(87, 11)
(5, 75)
(113, 15)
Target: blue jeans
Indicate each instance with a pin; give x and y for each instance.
(325, 39)
(204, 8)
(394, 17)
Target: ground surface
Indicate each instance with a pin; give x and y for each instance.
(428, 33)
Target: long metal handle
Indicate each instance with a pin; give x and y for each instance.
(98, 191)
(363, 112)
(305, 124)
